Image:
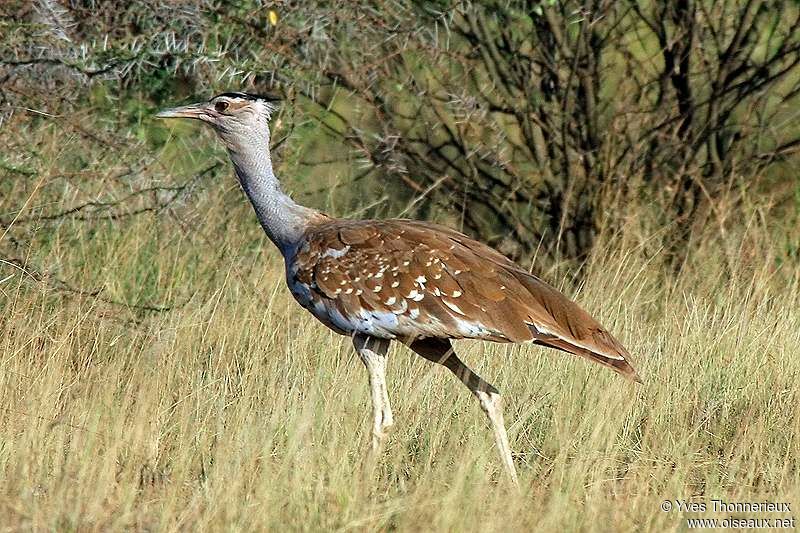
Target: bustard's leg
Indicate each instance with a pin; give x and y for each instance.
(440, 351)
(373, 353)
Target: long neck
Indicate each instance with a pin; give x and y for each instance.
(283, 220)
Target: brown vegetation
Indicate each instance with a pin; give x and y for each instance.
(156, 375)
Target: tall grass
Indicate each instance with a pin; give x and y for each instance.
(230, 408)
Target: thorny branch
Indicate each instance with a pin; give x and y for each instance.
(109, 210)
(545, 115)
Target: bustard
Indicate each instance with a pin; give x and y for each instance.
(405, 280)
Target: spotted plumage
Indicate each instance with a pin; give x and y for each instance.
(408, 280)
(405, 280)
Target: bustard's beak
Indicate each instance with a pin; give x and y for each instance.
(188, 111)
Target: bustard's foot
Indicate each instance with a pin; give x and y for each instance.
(492, 405)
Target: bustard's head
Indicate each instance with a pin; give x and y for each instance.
(238, 118)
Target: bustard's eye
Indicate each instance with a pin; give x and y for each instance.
(221, 106)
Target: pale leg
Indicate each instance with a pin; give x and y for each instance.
(373, 354)
(440, 351)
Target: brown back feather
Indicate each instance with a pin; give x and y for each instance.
(440, 283)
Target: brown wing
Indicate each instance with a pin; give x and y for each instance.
(408, 279)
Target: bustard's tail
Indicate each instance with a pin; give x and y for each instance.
(558, 322)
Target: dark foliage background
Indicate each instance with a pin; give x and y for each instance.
(533, 125)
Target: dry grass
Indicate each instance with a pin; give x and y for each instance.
(236, 411)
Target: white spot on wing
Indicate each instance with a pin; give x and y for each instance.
(401, 309)
(453, 307)
(415, 295)
(333, 252)
(472, 329)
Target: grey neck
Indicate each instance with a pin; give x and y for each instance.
(283, 220)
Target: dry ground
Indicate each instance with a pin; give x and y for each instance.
(234, 410)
